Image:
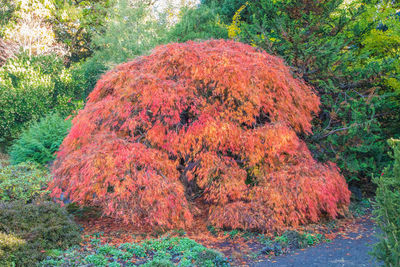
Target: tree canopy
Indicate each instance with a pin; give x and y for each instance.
(207, 126)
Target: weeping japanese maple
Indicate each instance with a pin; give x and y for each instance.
(200, 127)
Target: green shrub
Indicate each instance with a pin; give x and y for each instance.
(85, 74)
(82, 212)
(40, 140)
(359, 149)
(387, 207)
(8, 245)
(201, 23)
(31, 87)
(227, 8)
(74, 24)
(43, 225)
(23, 182)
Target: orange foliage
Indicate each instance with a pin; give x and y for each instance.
(215, 123)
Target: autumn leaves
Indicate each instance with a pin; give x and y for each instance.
(207, 126)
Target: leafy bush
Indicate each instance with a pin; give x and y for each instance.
(386, 210)
(23, 182)
(81, 213)
(360, 149)
(86, 74)
(8, 245)
(40, 140)
(227, 8)
(43, 225)
(381, 42)
(201, 23)
(31, 87)
(216, 122)
(154, 252)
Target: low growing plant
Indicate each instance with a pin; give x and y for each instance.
(168, 251)
(8, 245)
(289, 240)
(43, 225)
(22, 182)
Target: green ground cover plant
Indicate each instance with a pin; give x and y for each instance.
(167, 251)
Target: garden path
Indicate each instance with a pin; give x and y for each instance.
(348, 249)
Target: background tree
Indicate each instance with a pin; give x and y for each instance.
(7, 9)
(30, 28)
(131, 30)
(75, 23)
(200, 23)
(7, 50)
(226, 8)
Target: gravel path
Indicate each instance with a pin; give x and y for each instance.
(345, 250)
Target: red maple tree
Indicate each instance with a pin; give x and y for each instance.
(207, 127)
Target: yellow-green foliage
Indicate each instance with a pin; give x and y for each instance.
(8, 244)
(234, 28)
(24, 181)
(384, 48)
(201, 23)
(382, 44)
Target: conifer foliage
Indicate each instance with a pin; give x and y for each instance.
(200, 128)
